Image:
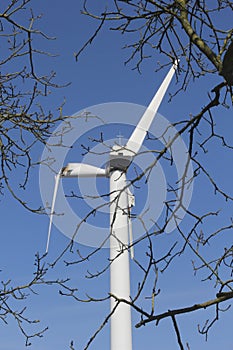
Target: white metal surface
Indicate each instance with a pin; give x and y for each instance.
(121, 332)
(131, 204)
(121, 200)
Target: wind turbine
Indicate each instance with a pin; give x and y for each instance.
(121, 200)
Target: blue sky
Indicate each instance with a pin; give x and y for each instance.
(100, 76)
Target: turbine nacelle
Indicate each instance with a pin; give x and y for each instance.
(119, 159)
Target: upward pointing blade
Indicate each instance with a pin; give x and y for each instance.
(57, 178)
(136, 139)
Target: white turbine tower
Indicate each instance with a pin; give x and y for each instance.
(121, 200)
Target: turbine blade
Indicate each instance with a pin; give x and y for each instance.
(82, 170)
(136, 139)
(57, 178)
